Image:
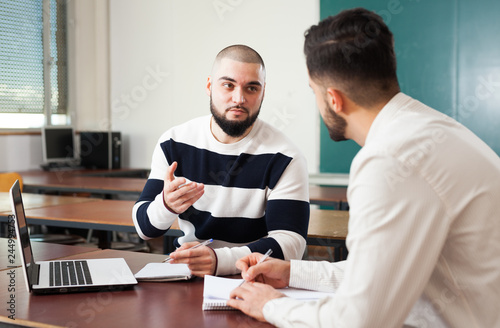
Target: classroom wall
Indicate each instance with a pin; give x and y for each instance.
(88, 64)
(20, 152)
(448, 58)
(162, 52)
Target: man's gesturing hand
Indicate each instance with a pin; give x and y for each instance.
(178, 195)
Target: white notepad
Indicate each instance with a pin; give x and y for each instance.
(216, 292)
(164, 272)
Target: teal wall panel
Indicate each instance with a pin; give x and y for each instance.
(448, 55)
(478, 101)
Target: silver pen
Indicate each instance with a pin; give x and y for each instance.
(262, 259)
(205, 243)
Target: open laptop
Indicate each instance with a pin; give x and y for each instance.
(65, 276)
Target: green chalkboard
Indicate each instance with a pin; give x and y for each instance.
(448, 55)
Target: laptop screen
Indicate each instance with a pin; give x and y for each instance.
(22, 231)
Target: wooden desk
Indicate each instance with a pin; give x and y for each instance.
(31, 201)
(329, 196)
(101, 215)
(92, 181)
(41, 252)
(116, 215)
(113, 182)
(173, 304)
(328, 224)
(329, 228)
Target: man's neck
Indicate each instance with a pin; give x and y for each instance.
(362, 120)
(359, 125)
(224, 138)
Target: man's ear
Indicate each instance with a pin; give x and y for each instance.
(208, 88)
(335, 99)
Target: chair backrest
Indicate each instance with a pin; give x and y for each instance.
(7, 180)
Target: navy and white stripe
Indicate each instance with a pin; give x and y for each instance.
(256, 190)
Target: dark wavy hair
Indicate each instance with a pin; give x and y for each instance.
(354, 50)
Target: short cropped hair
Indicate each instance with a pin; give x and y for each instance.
(241, 53)
(354, 50)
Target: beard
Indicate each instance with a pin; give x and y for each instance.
(233, 128)
(336, 129)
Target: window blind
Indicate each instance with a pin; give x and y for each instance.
(59, 70)
(22, 62)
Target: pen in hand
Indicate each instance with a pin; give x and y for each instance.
(205, 243)
(262, 259)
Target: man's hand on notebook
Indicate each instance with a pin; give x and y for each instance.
(261, 277)
(273, 272)
(200, 260)
(251, 297)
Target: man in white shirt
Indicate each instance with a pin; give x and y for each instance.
(424, 196)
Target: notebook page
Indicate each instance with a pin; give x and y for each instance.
(216, 291)
(219, 287)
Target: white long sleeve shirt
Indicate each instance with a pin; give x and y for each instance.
(424, 196)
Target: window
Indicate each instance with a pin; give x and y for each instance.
(33, 63)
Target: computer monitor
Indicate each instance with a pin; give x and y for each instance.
(58, 144)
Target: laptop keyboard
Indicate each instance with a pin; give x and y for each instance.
(65, 273)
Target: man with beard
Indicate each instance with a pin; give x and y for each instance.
(228, 176)
(424, 229)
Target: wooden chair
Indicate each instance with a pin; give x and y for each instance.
(7, 179)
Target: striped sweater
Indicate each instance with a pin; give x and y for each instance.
(256, 192)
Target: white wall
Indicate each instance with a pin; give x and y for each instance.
(88, 64)
(20, 152)
(162, 52)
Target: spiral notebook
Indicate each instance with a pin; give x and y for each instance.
(216, 292)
